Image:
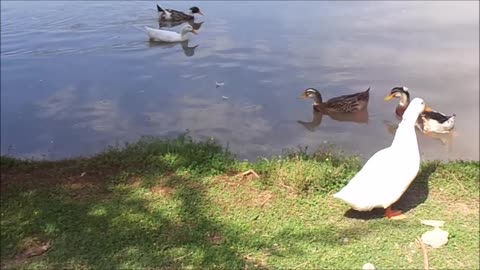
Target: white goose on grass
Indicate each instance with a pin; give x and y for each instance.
(378, 183)
(169, 36)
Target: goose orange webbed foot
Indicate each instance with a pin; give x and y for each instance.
(394, 214)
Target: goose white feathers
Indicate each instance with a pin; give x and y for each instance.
(169, 36)
(377, 184)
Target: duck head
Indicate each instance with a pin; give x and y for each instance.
(313, 94)
(400, 92)
(194, 10)
(188, 28)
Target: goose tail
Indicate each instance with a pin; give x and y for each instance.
(339, 195)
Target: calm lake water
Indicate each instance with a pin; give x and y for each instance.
(79, 76)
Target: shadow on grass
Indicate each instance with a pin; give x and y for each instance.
(415, 195)
(124, 231)
(133, 226)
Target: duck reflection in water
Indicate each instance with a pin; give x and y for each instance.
(360, 117)
(189, 51)
(170, 24)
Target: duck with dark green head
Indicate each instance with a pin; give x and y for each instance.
(345, 103)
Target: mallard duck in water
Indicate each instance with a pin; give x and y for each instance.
(175, 15)
(345, 103)
(169, 36)
(376, 184)
(432, 121)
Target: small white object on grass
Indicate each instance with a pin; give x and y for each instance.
(368, 266)
(224, 98)
(435, 238)
(433, 223)
(218, 84)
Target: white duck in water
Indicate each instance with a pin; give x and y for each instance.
(376, 184)
(169, 36)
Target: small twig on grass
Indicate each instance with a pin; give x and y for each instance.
(247, 173)
(181, 257)
(269, 196)
(424, 251)
(460, 184)
(409, 256)
(302, 264)
(289, 188)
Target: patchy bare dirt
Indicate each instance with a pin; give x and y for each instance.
(466, 207)
(162, 190)
(462, 208)
(86, 191)
(233, 181)
(76, 185)
(247, 196)
(215, 238)
(47, 177)
(134, 181)
(260, 261)
(29, 247)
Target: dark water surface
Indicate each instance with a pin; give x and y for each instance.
(79, 76)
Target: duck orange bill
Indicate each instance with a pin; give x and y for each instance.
(387, 98)
(427, 109)
(303, 96)
(195, 32)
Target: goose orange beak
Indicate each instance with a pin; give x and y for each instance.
(195, 32)
(427, 109)
(389, 97)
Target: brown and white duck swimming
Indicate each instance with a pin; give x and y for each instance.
(175, 15)
(431, 121)
(345, 103)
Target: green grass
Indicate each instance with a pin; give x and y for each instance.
(175, 204)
